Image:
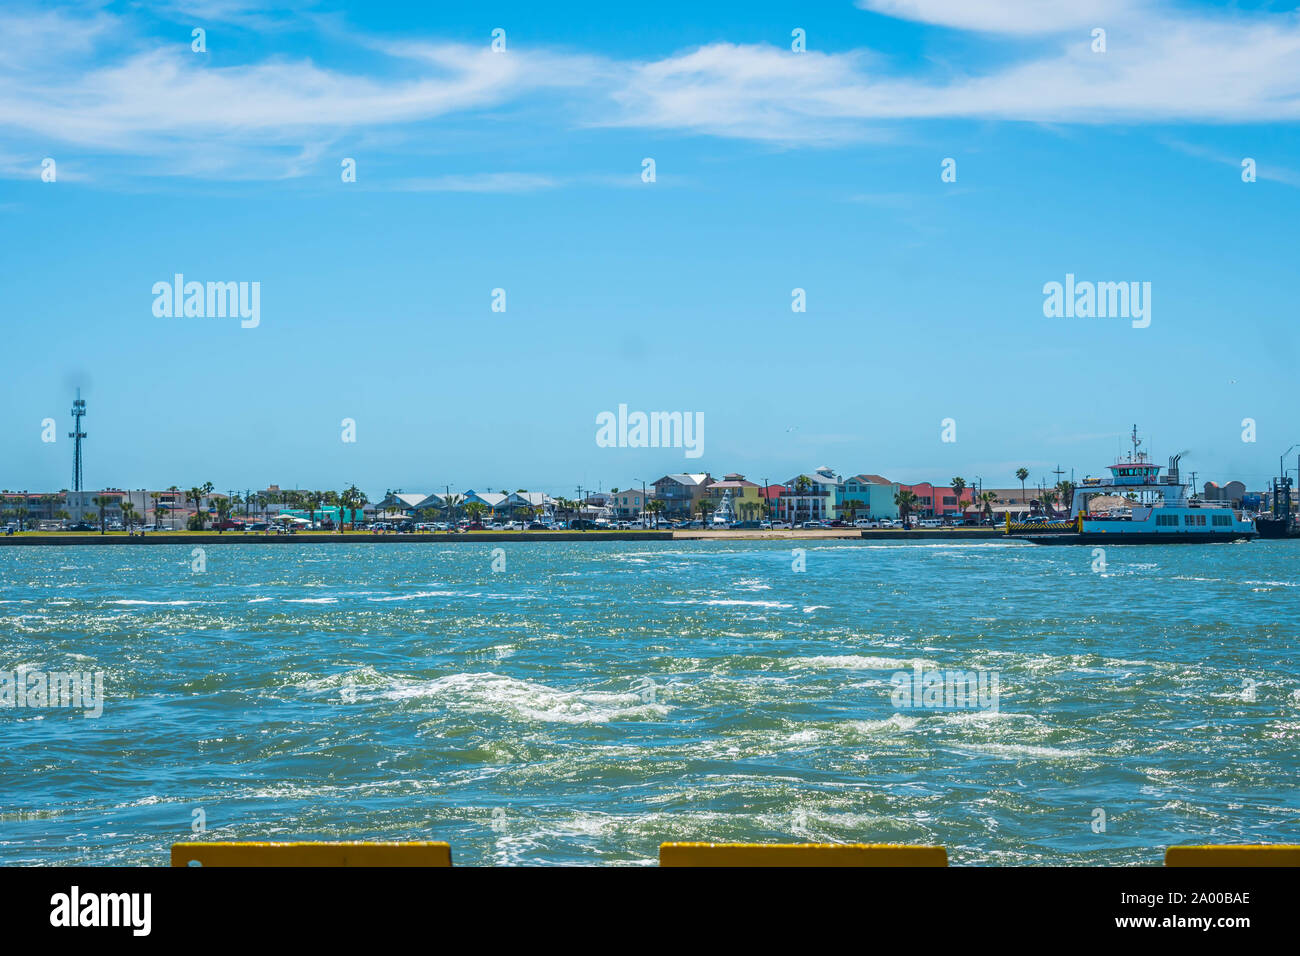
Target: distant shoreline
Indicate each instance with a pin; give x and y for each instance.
(42, 538)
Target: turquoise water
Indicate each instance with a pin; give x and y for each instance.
(592, 700)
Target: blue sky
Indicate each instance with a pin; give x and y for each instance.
(521, 170)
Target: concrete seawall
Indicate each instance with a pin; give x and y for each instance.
(350, 538)
(485, 537)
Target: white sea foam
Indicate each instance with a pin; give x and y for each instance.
(1025, 750)
(158, 603)
(734, 602)
(859, 662)
(526, 700)
(422, 594)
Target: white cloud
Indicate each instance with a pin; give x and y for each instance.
(93, 83)
(1009, 16)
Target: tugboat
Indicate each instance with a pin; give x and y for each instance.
(1281, 523)
(1161, 514)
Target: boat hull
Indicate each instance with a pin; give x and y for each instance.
(1138, 537)
(1276, 528)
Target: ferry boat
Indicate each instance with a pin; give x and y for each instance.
(1162, 512)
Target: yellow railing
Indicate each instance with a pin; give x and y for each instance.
(311, 854)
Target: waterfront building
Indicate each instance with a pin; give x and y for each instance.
(400, 502)
(628, 504)
(875, 493)
(746, 496)
(938, 501)
(518, 503)
(810, 497)
(679, 493)
(492, 500)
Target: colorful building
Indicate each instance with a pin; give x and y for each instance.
(875, 493)
(746, 496)
(628, 504)
(810, 497)
(679, 493)
(937, 501)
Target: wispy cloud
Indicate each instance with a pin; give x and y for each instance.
(1268, 170)
(1008, 16)
(481, 183)
(95, 82)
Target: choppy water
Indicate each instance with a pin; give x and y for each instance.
(593, 700)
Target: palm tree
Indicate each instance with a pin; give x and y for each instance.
(906, 500)
(128, 513)
(102, 501)
(1022, 474)
(223, 506)
(802, 485)
(313, 501)
(1048, 497)
(63, 516)
(655, 506)
(352, 499)
(195, 495)
(453, 504)
(958, 486)
(704, 506)
(1066, 490)
(475, 511)
(986, 499)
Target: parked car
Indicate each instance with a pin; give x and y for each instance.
(867, 523)
(537, 526)
(230, 524)
(931, 523)
(765, 525)
(259, 526)
(779, 525)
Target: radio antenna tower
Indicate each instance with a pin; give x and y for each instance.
(78, 410)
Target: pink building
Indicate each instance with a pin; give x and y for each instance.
(936, 501)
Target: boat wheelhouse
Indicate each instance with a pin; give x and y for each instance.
(1158, 511)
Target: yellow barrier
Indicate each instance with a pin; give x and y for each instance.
(311, 854)
(1279, 854)
(800, 854)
